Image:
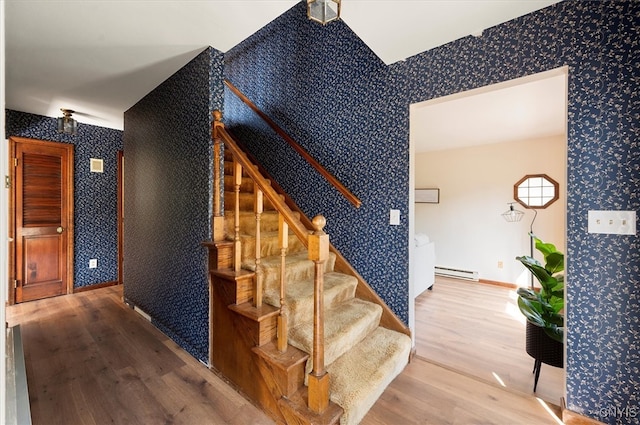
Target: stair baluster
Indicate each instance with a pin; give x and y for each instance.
(283, 329)
(237, 180)
(258, 207)
(318, 377)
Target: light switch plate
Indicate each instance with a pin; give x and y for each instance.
(394, 217)
(612, 222)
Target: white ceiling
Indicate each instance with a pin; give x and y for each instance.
(99, 57)
(526, 108)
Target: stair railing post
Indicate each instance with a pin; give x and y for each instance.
(318, 377)
(237, 252)
(258, 208)
(283, 239)
(218, 213)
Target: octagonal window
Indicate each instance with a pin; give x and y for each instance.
(536, 191)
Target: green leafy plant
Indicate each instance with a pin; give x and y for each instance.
(545, 307)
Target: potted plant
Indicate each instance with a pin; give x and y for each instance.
(544, 307)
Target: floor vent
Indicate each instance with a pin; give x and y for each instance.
(456, 273)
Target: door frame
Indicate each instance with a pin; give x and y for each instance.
(120, 182)
(68, 196)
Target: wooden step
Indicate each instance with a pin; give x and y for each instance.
(259, 322)
(295, 411)
(283, 371)
(233, 287)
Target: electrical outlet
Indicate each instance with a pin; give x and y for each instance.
(500, 264)
(93, 263)
(612, 222)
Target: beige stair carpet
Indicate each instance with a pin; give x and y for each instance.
(360, 376)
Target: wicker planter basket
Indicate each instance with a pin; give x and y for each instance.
(543, 349)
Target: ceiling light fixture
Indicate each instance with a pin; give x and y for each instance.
(67, 124)
(323, 11)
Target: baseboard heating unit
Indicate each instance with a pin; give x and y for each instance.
(456, 273)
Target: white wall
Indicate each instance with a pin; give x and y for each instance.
(476, 185)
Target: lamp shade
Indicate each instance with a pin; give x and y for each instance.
(66, 124)
(512, 214)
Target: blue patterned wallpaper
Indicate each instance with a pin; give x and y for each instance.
(168, 201)
(325, 88)
(331, 97)
(95, 194)
(350, 111)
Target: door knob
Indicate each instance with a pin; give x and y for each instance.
(60, 229)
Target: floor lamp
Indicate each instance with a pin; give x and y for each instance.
(513, 215)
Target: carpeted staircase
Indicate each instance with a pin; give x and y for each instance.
(361, 357)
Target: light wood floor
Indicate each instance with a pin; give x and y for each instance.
(478, 330)
(92, 360)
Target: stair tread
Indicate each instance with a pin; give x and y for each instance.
(346, 324)
(338, 287)
(303, 289)
(360, 376)
(284, 360)
(274, 260)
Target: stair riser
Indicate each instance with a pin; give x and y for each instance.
(300, 271)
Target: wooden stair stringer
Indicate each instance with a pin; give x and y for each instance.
(233, 335)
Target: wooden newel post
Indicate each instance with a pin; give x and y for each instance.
(318, 378)
(258, 208)
(218, 213)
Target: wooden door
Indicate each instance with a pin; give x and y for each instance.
(43, 218)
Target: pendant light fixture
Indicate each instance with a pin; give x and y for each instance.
(323, 11)
(66, 124)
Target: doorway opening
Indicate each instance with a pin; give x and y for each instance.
(472, 147)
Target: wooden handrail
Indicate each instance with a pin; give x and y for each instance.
(276, 200)
(364, 290)
(307, 157)
(317, 243)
